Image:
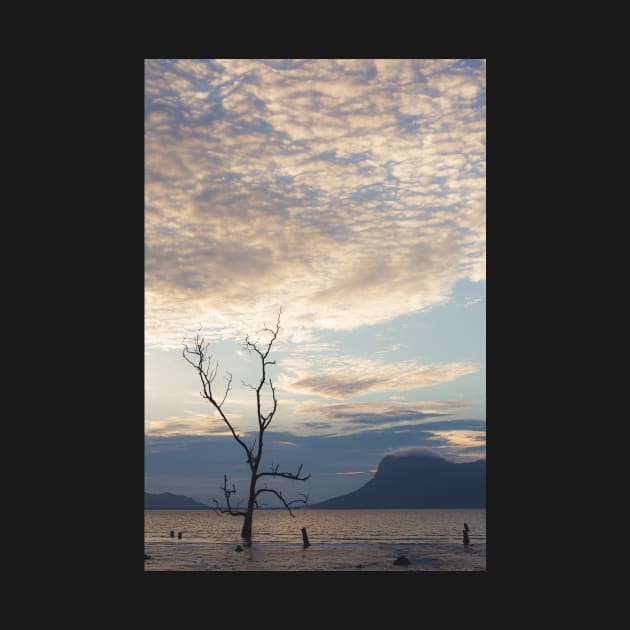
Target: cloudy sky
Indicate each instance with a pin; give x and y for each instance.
(349, 193)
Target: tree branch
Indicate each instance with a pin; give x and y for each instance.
(287, 504)
(287, 475)
(229, 380)
(227, 492)
(251, 458)
(203, 366)
(253, 345)
(266, 420)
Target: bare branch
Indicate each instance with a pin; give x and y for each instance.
(286, 475)
(228, 492)
(251, 458)
(216, 369)
(206, 377)
(229, 380)
(287, 504)
(267, 419)
(252, 345)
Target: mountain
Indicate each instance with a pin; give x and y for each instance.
(417, 481)
(168, 501)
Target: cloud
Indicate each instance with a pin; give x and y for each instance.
(355, 376)
(317, 425)
(461, 438)
(349, 191)
(470, 302)
(392, 348)
(404, 451)
(191, 424)
(352, 418)
(456, 445)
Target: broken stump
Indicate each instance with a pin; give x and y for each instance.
(305, 537)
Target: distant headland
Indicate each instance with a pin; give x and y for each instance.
(168, 501)
(417, 481)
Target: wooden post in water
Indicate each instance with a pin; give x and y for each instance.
(305, 537)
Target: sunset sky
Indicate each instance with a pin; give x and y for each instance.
(350, 193)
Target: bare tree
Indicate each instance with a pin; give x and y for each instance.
(202, 362)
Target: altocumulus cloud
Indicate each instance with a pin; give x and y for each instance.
(359, 417)
(349, 191)
(356, 376)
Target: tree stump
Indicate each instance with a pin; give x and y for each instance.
(305, 537)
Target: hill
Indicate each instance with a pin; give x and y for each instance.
(417, 481)
(168, 501)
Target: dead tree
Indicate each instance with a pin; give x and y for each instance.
(202, 362)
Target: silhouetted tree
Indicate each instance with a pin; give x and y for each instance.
(202, 363)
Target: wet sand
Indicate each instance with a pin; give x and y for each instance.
(190, 556)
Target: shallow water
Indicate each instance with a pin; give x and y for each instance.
(341, 540)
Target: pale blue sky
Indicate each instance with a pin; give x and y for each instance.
(352, 194)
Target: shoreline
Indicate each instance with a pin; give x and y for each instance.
(203, 556)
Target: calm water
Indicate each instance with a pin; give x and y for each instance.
(323, 526)
(340, 540)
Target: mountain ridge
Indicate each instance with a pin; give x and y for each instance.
(415, 482)
(169, 501)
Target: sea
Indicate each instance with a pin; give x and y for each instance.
(340, 540)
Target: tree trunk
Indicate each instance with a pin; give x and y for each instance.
(246, 532)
